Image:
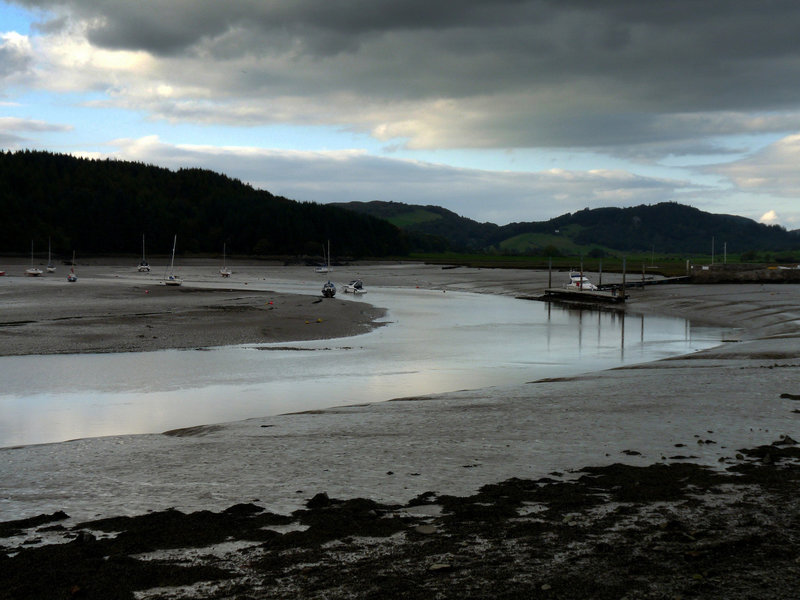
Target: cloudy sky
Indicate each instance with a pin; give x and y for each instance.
(500, 110)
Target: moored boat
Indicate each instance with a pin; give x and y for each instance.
(143, 267)
(326, 258)
(356, 286)
(32, 271)
(71, 276)
(224, 271)
(171, 279)
(578, 281)
(328, 289)
(51, 268)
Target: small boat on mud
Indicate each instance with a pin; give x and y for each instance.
(143, 267)
(328, 289)
(578, 281)
(224, 270)
(32, 271)
(325, 267)
(355, 287)
(171, 279)
(71, 276)
(51, 268)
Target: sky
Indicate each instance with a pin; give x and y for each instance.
(499, 110)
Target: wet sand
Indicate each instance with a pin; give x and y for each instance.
(670, 479)
(112, 308)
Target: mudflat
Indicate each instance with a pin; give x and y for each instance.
(670, 479)
(114, 309)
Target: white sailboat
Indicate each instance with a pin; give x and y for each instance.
(143, 266)
(32, 271)
(326, 258)
(171, 279)
(224, 271)
(50, 266)
(71, 276)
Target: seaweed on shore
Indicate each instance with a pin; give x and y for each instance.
(666, 530)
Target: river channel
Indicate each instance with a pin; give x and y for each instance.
(432, 342)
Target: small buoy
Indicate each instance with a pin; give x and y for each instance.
(270, 301)
(306, 322)
(319, 320)
(147, 291)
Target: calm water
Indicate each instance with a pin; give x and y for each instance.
(434, 342)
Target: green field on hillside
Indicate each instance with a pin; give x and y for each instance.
(414, 217)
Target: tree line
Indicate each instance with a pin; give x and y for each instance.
(105, 206)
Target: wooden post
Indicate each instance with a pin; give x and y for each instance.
(600, 279)
(623, 277)
(549, 271)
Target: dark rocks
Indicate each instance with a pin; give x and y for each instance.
(319, 501)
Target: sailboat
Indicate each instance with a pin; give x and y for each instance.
(171, 279)
(50, 266)
(71, 277)
(224, 271)
(143, 266)
(326, 267)
(32, 271)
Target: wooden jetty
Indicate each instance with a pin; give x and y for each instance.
(610, 296)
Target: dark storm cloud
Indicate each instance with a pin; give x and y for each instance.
(537, 73)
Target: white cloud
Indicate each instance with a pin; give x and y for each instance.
(769, 217)
(772, 170)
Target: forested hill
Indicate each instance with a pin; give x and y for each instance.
(105, 206)
(667, 227)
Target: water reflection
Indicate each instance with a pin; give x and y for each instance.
(434, 342)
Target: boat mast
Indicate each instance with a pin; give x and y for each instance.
(172, 262)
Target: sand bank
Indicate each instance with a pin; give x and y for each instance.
(114, 309)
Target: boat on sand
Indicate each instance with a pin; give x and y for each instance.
(171, 279)
(328, 289)
(356, 286)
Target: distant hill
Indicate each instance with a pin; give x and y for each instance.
(104, 207)
(667, 227)
(450, 229)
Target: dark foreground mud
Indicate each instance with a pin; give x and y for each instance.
(674, 530)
